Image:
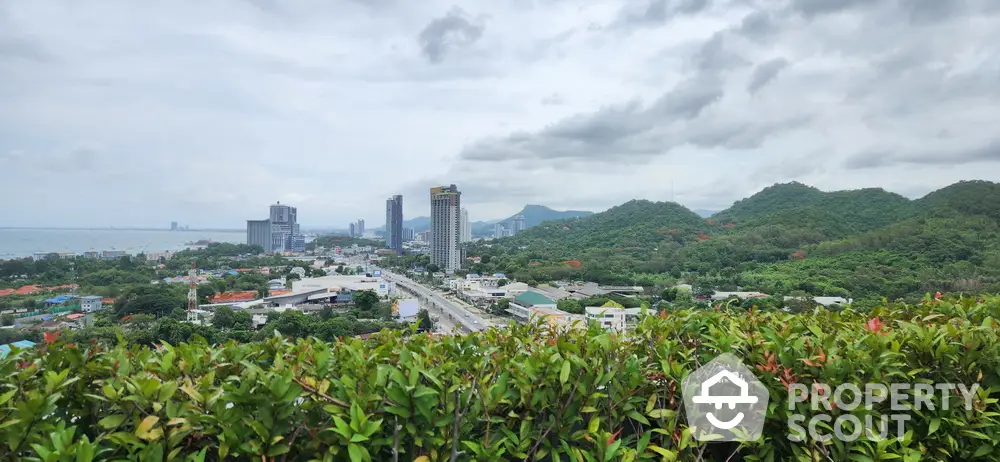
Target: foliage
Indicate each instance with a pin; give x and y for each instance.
(570, 306)
(331, 241)
(786, 237)
(574, 395)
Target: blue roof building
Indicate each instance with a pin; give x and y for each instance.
(6, 349)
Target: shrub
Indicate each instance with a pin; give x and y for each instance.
(523, 392)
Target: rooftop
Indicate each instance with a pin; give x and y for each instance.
(22, 344)
(243, 296)
(530, 298)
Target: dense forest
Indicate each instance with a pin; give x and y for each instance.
(865, 244)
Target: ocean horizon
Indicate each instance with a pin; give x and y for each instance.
(25, 242)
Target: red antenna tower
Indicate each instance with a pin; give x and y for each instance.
(193, 291)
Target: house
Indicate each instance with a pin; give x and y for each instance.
(91, 304)
(529, 303)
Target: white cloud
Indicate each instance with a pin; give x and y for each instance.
(206, 112)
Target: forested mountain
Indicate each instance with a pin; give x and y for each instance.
(788, 237)
(534, 215)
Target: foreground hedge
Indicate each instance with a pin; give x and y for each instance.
(520, 393)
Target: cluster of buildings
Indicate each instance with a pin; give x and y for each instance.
(279, 233)
(509, 228)
(308, 295)
(357, 228)
(109, 255)
(449, 227)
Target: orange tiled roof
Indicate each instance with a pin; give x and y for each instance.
(109, 301)
(277, 292)
(244, 296)
(6, 292)
(28, 290)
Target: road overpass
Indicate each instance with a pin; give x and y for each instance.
(468, 320)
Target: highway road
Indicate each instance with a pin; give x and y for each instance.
(468, 320)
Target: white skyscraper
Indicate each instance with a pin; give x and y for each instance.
(446, 229)
(466, 235)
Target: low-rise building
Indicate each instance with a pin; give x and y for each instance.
(529, 304)
(91, 303)
(719, 296)
(615, 318)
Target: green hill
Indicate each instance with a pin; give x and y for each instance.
(788, 237)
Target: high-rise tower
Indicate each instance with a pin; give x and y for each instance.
(465, 227)
(394, 223)
(446, 205)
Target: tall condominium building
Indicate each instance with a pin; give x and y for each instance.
(446, 230)
(394, 223)
(518, 225)
(259, 233)
(408, 234)
(466, 227)
(498, 230)
(361, 226)
(353, 229)
(285, 234)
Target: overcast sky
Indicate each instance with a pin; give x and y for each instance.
(205, 112)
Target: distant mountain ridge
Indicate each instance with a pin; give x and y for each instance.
(533, 216)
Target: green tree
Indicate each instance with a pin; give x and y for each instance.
(7, 319)
(432, 268)
(365, 300)
(424, 320)
(242, 320)
(570, 306)
(499, 307)
(223, 318)
(669, 294)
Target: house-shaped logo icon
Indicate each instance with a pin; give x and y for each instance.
(724, 401)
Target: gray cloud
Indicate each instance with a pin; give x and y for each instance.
(455, 30)
(878, 158)
(765, 73)
(812, 8)
(655, 13)
(554, 99)
(546, 106)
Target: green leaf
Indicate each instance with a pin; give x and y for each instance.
(650, 403)
(355, 452)
(112, 421)
(6, 396)
(146, 425)
(638, 417)
(564, 374)
(278, 450)
(933, 426)
(984, 449)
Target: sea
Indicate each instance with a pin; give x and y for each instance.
(20, 243)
